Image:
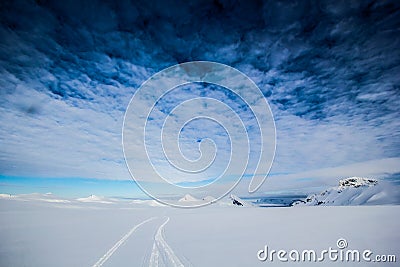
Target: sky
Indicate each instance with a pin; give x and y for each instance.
(329, 71)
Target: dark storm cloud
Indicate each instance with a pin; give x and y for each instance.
(329, 69)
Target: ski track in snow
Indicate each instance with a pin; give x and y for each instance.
(161, 248)
(109, 253)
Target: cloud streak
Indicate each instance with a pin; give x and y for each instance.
(68, 71)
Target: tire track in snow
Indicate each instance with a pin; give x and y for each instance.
(111, 251)
(161, 248)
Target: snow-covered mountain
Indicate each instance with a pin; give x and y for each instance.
(6, 196)
(231, 200)
(187, 198)
(357, 182)
(237, 201)
(96, 199)
(147, 202)
(47, 197)
(209, 199)
(353, 191)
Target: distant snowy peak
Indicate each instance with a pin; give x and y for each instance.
(209, 199)
(237, 201)
(6, 196)
(95, 199)
(231, 201)
(357, 182)
(353, 191)
(152, 202)
(48, 197)
(187, 198)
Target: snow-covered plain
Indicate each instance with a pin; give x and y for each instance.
(43, 230)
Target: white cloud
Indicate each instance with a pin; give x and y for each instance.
(68, 71)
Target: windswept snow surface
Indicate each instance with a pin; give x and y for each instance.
(162, 253)
(120, 242)
(40, 233)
